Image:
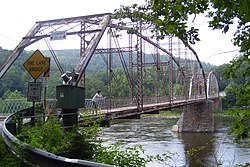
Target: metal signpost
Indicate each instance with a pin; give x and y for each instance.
(36, 64)
(46, 75)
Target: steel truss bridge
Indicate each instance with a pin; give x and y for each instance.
(164, 73)
(177, 71)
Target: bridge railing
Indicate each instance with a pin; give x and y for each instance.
(10, 106)
(116, 102)
(101, 103)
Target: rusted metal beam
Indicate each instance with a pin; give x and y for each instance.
(112, 50)
(17, 51)
(84, 60)
(68, 33)
(71, 20)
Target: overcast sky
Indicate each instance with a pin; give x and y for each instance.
(18, 16)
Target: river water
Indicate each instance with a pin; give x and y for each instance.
(156, 138)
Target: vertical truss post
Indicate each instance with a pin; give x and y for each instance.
(157, 70)
(131, 91)
(186, 74)
(110, 65)
(171, 69)
(139, 71)
(82, 51)
(196, 82)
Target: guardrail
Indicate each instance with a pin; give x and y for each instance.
(37, 156)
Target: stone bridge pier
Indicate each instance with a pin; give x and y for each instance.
(198, 117)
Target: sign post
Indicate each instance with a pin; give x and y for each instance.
(46, 75)
(36, 64)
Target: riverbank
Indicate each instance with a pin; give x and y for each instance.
(174, 114)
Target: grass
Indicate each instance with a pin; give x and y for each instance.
(221, 113)
(165, 113)
(177, 112)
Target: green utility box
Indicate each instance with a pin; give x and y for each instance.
(70, 97)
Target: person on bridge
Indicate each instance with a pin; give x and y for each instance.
(95, 98)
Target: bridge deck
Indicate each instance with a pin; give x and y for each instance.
(130, 111)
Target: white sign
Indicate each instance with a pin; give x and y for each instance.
(45, 82)
(34, 91)
(58, 35)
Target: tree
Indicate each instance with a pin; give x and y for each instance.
(170, 17)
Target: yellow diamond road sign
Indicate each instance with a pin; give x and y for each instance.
(36, 64)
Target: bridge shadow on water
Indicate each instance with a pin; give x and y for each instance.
(199, 148)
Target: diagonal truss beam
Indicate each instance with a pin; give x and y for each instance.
(84, 60)
(17, 51)
(43, 29)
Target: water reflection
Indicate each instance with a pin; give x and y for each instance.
(199, 148)
(156, 137)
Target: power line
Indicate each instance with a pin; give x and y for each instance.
(222, 53)
(8, 38)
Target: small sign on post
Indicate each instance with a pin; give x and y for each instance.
(34, 91)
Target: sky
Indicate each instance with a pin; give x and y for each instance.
(19, 16)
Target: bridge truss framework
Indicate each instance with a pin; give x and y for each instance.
(170, 57)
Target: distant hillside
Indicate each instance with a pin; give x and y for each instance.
(17, 77)
(69, 59)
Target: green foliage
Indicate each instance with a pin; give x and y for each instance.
(129, 156)
(229, 101)
(241, 126)
(240, 95)
(48, 136)
(174, 113)
(243, 165)
(168, 17)
(223, 16)
(7, 159)
(171, 18)
(83, 143)
(222, 81)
